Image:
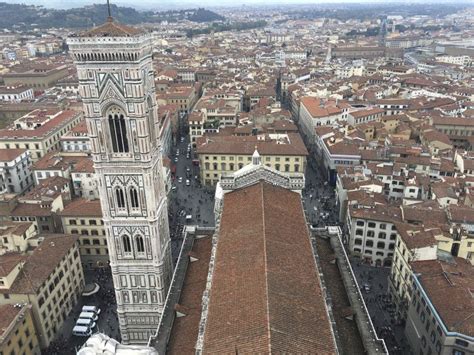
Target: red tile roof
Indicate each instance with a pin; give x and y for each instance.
(449, 287)
(112, 29)
(245, 145)
(317, 108)
(7, 155)
(8, 312)
(266, 294)
(42, 131)
(82, 207)
(39, 265)
(185, 329)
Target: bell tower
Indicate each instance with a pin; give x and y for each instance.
(116, 83)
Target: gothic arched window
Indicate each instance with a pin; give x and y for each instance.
(140, 244)
(127, 246)
(120, 197)
(133, 197)
(118, 132)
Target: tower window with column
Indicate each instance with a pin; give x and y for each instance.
(118, 131)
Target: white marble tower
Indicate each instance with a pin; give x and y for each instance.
(116, 83)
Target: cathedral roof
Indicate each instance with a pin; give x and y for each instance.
(112, 29)
(265, 295)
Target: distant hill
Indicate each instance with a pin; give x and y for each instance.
(28, 16)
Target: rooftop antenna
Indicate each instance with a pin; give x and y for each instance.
(108, 9)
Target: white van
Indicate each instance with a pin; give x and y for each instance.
(86, 322)
(93, 309)
(81, 331)
(88, 315)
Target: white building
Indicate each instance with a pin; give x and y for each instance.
(116, 83)
(372, 233)
(76, 141)
(16, 94)
(463, 60)
(15, 171)
(316, 112)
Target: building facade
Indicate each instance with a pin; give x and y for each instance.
(372, 234)
(217, 158)
(18, 335)
(116, 83)
(439, 317)
(50, 279)
(15, 171)
(39, 131)
(84, 218)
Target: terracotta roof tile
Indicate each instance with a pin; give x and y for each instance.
(7, 155)
(263, 299)
(8, 312)
(185, 329)
(82, 207)
(112, 29)
(39, 265)
(451, 281)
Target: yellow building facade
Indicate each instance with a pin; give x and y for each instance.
(51, 280)
(83, 218)
(214, 165)
(17, 331)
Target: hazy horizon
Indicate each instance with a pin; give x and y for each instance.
(151, 4)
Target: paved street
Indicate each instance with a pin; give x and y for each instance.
(193, 200)
(66, 343)
(318, 198)
(374, 284)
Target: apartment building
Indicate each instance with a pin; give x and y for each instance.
(412, 244)
(39, 131)
(16, 93)
(83, 218)
(50, 279)
(84, 179)
(16, 236)
(314, 112)
(183, 96)
(42, 203)
(373, 233)
(364, 116)
(439, 318)
(334, 150)
(463, 60)
(221, 154)
(459, 130)
(38, 76)
(76, 141)
(196, 122)
(17, 331)
(15, 171)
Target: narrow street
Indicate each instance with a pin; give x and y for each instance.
(187, 205)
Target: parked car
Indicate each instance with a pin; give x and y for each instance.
(81, 331)
(93, 309)
(88, 315)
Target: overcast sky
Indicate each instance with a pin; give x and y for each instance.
(173, 3)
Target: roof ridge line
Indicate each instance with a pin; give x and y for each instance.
(266, 265)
